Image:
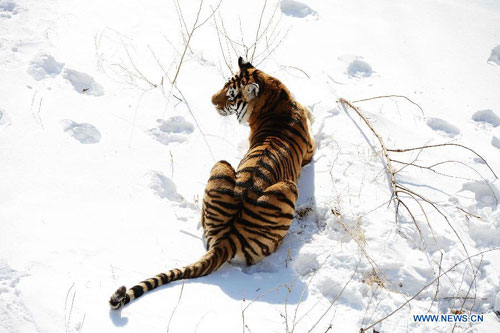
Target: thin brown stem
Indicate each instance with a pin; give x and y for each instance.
(390, 96)
(175, 308)
(444, 145)
(258, 29)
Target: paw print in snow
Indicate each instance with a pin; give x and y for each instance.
(359, 68)
(486, 116)
(8, 8)
(83, 83)
(43, 66)
(296, 9)
(441, 125)
(495, 56)
(495, 142)
(174, 129)
(486, 193)
(164, 187)
(84, 133)
(4, 119)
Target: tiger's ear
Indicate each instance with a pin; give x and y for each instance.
(250, 91)
(244, 64)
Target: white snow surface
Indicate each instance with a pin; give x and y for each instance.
(102, 168)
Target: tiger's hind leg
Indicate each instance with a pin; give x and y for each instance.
(278, 201)
(265, 224)
(311, 144)
(219, 203)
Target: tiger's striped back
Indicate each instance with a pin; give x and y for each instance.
(247, 213)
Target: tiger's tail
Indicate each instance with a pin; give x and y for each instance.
(218, 255)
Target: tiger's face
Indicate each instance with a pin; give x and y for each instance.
(238, 91)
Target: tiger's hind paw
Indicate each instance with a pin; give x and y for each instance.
(118, 298)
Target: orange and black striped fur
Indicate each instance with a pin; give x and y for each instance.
(247, 213)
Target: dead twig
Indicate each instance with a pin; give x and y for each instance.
(190, 36)
(397, 188)
(388, 164)
(37, 117)
(335, 299)
(226, 61)
(296, 321)
(175, 308)
(431, 168)
(391, 96)
(445, 145)
(197, 124)
(298, 69)
(258, 29)
(437, 286)
(243, 309)
(138, 73)
(67, 319)
(468, 291)
(358, 241)
(268, 37)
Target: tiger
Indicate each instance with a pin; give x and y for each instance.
(247, 212)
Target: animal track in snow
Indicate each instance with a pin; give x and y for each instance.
(442, 125)
(296, 9)
(164, 187)
(495, 142)
(85, 133)
(495, 56)
(4, 119)
(485, 193)
(8, 8)
(478, 160)
(43, 66)
(14, 316)
(487, 116)
(83, 83)
(174, 129)
(359, 68)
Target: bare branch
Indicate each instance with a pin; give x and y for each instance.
(437, 286)
(222, 48)
(296, 68)
(269, 39)
(209, 16)
(138, 73)
(186, 44)
(175, 308)
(388, 164)
(468, 291)
(258, 29)
(389, 96)
(336, 298)
(358, 242)
(180, 16)
(445, 145)
(196, 122)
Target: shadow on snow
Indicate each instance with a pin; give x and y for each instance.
(272, 280)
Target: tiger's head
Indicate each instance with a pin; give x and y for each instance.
(238, 92)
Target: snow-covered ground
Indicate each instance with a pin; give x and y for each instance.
(101, 173)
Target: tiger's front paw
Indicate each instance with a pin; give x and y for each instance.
(118, 298)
